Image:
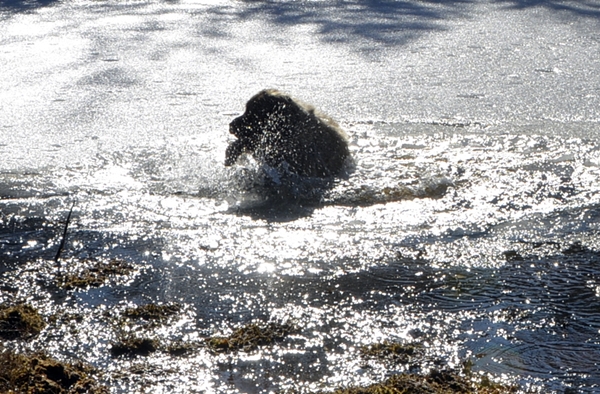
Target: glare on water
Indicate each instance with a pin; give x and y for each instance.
(466, 226)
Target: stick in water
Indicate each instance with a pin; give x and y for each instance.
(64, 236)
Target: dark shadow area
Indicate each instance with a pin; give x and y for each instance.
(25, 238)
(275, 211)
(373, 24)
(291, 199)
(580, 8)
(24, 5)
(277, 196)
(26, 233)
(365, 23)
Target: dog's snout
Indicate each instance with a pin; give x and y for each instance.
(235, 127)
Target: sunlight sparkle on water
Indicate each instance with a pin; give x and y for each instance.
(467, 226)
(114, 176)
(266, 267)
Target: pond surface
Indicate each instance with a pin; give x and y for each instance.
(469, 222)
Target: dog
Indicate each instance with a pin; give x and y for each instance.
(289, 136)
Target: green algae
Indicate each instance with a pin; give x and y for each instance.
(181, 348)
(436, 382)
(143, 319)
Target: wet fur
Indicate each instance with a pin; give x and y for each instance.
(288, 135)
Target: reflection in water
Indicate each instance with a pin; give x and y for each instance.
(477, 246)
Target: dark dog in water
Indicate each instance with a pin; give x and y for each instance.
(288, 135)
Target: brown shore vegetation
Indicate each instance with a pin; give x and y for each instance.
(94, 275)
(152, 312)
(134, 346)
(38, 373)
(250, 336)
(435, 382)
(20, 321)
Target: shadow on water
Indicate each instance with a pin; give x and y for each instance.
(275, 211)
(26, 232)
(368, 23)
(537, 306)
(582, 8)
(24, 5)
(371, 25)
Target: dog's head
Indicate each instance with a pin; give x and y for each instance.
(266, 112)
(263, 112)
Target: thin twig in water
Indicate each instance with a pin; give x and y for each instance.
(64, 236)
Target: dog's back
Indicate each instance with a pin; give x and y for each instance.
(288, 134)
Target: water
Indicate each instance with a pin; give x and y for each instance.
(469, 222)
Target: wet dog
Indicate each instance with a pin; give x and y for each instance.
(289, 136)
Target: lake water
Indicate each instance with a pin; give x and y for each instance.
(469, 222)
